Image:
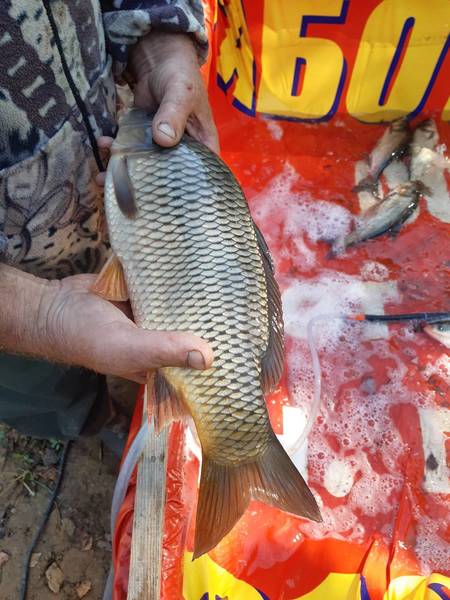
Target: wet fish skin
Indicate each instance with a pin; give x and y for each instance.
(424, 157)
(386, 216)
(440, 332)
(393, 145)
(194, 261)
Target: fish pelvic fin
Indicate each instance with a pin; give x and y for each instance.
(169, 405)
(226, 491)
(110, 283)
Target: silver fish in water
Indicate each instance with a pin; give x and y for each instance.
(392, 146)
(385, 217)
(440, 332)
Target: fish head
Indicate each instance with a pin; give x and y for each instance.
(135, 132)
(399, 125)
(428, 128)
(439, 331)
(134, 135)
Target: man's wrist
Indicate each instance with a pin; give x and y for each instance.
(146, 55)
(25, 301)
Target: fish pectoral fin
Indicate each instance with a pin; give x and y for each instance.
(226, 490)
(123, 187)
(272, 361)
(110, 283)
(169, 405)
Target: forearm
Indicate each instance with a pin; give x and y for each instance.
(22, 312)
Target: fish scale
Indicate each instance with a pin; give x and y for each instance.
(228, 304)
(194, 261)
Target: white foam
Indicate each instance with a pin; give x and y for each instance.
(275, 130)
(334, 292)
(431, 548)
(440, 367)
(302, 217)
(374, 271)
(354, 446)
(339, 475)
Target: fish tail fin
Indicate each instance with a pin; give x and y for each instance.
(281, 485)
(226, 490)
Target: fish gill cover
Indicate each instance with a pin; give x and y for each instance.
(298, 92)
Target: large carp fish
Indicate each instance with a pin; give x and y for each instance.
(191, 258)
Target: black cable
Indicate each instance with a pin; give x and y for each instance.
(76, 94)
(428, 317)
(45, 517)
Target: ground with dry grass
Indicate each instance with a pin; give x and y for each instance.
(73, 555)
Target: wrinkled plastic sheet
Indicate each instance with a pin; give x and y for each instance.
(377, 455)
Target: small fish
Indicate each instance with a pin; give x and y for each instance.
(440, 332)
(189, 256)
(393, 145)
(425, 135)
(386, 216)
(424, 157)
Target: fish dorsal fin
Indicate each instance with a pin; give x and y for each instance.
(169, 405)
(272, 362)
(110, 283)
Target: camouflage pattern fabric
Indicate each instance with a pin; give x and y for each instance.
(51, 216)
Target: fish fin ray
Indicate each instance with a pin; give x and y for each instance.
(226, 491)
(223, 499)
(272, 361)
(123, 187)
(282, 485)
(169, 405)
(110, 283)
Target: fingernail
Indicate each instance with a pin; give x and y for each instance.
(166, 129)
(195, 360)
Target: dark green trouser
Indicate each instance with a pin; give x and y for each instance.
(46, 400)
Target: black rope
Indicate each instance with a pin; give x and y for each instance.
(81, 106)
(428, 317)
(45, 517)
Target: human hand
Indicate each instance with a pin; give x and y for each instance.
(63, 321)
(166, 70)
(92, 332)
(168, 81)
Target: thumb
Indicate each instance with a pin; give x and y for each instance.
(170, 120)
(153, 349)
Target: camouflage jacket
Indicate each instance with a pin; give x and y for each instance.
(57, 96)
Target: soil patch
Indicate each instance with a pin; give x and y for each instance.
(74, 552)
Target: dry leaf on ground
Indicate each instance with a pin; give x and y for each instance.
(83, 588)
(55, 577)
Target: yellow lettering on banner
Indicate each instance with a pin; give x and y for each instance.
(379, 64)
(203, 578)
(235, 57)
(416, 587)
(283, 48)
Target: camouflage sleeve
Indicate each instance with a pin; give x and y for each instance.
(3, 245)
(125, 21)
